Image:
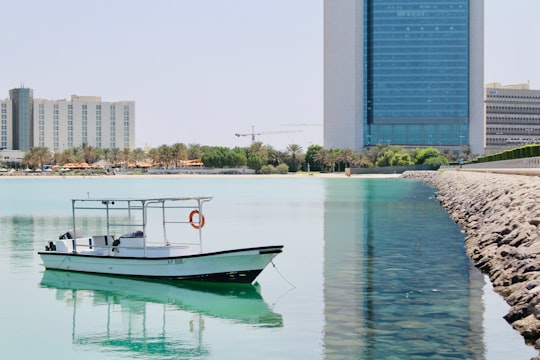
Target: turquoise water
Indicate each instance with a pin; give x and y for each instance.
(372, 269)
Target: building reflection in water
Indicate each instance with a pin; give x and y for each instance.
(397, 280)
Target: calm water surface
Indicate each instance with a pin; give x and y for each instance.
(372, 269)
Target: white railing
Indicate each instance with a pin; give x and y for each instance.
(523, 163)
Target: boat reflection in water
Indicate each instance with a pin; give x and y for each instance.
(158, 318)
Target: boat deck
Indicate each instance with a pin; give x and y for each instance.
(123, 247)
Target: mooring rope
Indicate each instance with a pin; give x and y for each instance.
(283, 277)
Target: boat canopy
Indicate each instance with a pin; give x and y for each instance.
(144, 218)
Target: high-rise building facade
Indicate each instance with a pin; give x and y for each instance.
(6, 117)
(22, 102)
(62, 124)
(403, 72)
(512, 116)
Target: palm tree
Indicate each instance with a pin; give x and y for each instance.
(347, 156)
(73, 155)
(194, 151)
(332, 158)
(376, 152)
(164, 155)
(275, 157)
(311, 163)
(321, 156)
(114, 156)
(294, 150)
(107, 154)
(125, 156)
(89, 152)
(37, 157)
(257, 148)
(178, 152)
(361, 160)
(138, 155)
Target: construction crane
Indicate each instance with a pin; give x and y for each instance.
(301, 124)
(253, 133)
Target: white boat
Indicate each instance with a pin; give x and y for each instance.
(178, 255)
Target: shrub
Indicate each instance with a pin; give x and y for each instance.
(267, 169)
(282, 169)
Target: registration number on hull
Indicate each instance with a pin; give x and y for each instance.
(175, 261)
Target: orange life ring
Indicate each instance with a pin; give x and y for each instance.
(196, 225)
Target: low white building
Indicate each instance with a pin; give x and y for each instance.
(11, 156)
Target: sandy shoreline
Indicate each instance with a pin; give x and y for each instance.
(221, 176)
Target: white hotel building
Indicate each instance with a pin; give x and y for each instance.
(62, 124)
(5, 125)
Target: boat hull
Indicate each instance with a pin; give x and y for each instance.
(234, 266)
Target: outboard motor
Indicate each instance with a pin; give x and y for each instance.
(50, 246)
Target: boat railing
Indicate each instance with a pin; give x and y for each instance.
(86, 245)
(135, 217)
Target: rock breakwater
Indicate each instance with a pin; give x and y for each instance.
(500, 215)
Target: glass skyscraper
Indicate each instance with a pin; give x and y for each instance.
(404, 72)
(22, 102)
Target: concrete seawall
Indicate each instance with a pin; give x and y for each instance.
(500, 215)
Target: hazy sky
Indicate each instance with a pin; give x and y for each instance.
(202, 70)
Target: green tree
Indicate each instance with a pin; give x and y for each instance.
(321, 157)
(89, 153)
(164, 156)
(276, 157)
(395, 156)
(238, 157)
(376, 152)
(347, 156)
(36, 157)
(106, 153)
(437, 161)
(295, 153)
(114, 156)
(268, 169)
(420, 156)
(178, 152)
(332, 158)
(73, 155)
(311, 163)
(361, 160)
(138, 155)
(256, 162)
(126, 156)
(328, 158)
(282, 169)
(259, 149)
(218, 157)
(195, 151)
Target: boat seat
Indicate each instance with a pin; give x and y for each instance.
(102, 240)
(135, 234)
(131, 240)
